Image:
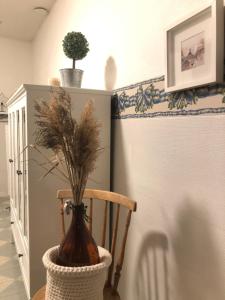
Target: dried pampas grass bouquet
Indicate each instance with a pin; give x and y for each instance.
(75, 143)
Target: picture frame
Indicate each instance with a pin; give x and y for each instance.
(195, 48)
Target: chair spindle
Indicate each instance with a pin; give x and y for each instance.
(91, 215)
(104, 224)
(114, 245)
(121, 257)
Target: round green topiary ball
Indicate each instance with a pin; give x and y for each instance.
(75, 45)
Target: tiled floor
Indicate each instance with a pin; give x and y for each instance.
(11, 283)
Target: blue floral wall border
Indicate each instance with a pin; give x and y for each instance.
(148, 99)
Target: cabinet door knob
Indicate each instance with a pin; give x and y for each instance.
(11, 160)
(11, 222)
(19, 172)
(20, 255)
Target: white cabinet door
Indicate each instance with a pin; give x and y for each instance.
(18, 183)
(18, 165)
(11, 157)
(24, 164)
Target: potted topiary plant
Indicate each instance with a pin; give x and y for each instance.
(76, 47)
(75, 269)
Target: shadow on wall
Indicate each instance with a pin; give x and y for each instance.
(199, 271)
(119, 161)
(110, 74)
(152, 270)
(120, 183)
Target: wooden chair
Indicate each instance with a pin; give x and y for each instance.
(110, 290)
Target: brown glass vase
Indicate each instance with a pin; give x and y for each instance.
(78, 248)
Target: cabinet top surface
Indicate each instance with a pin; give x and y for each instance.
(47, 88)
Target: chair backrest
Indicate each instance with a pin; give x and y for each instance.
(107, 197)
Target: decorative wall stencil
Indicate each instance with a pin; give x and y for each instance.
(148, 99)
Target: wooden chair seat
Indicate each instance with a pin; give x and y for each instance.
(114, 273)
(40, 294)
(108, 294)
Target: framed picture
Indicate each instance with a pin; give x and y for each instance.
(195, 48)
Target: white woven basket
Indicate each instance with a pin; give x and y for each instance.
(75, 283)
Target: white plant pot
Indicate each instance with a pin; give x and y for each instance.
(75, 283)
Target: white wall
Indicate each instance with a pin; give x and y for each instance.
(16, 64)
(15, 69)
(129, 32)
(173, 167)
